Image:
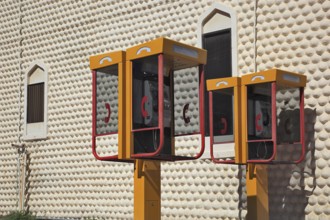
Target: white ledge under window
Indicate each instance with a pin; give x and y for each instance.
(35, 102)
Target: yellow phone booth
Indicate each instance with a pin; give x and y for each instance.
(134, 100)
(151, 68)
(267, 124)
(107, 98)
(273, 119)
(225, 123)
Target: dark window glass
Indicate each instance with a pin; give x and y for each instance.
(145, 107)
(35, 103)
(218, 46)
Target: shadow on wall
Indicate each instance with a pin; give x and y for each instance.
(290, 186)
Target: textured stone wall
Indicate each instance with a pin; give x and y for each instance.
(64, 179)
(9, 93)
(294, 35)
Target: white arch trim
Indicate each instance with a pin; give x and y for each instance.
(36, 131)
(218, 8)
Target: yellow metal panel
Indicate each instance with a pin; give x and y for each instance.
(222, 83)
(121, 111)
(125, 150)
(106, 59)
(146, 49)
(139, 190)
(251, 192)
(129, 107)
(235, 83)
(147, 190)
(286, 78)
(240, 149)
(243, 119)
(257, 192)
(186, 52)
(260, 77)
(153, 209)
(175, 51)
(281, 77)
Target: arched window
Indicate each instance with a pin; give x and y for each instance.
(217, 34)
(219, 20)
(35, 102)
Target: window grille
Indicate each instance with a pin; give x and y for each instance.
(35, 103)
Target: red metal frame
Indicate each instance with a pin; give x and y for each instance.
(160, 113)
(273, 139)
(94, 135)
(201, 109)
(156, 153)
(302, 127)
(274, 130)
(215, 160)
(201, 116)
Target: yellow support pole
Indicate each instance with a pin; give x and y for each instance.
(257, 192)
(147, 190)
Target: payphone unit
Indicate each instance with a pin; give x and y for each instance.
(151, 68)
(267, 124)
(273, 119)
(224, 121)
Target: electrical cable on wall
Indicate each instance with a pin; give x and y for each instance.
(255, 35)
(21, 148)
(20, 70)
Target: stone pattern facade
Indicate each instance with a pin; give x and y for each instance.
(63, 178)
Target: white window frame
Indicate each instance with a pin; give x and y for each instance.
(36, 131)
(214, 19)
